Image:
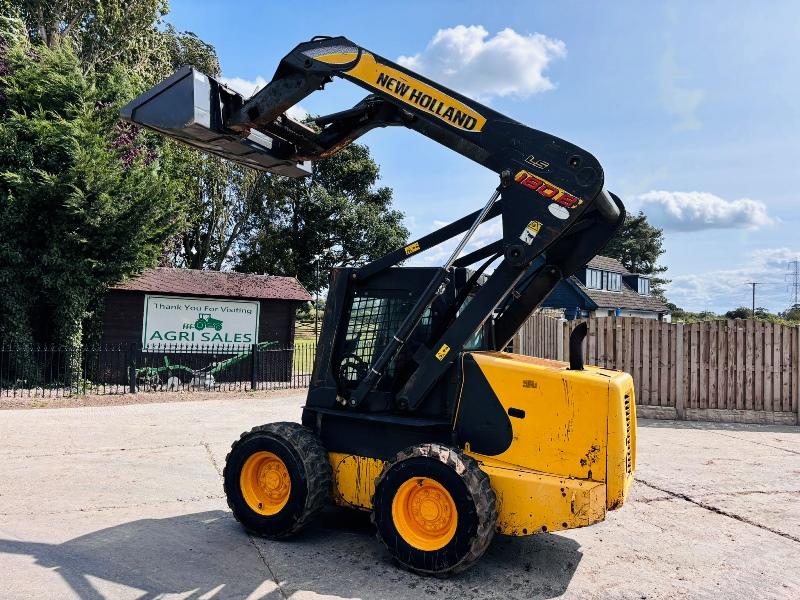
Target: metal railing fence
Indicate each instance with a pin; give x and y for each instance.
(54, 371)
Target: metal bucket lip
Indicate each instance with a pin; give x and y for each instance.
(199, 115)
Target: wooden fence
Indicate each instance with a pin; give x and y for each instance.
(541, 336)
(727, 370)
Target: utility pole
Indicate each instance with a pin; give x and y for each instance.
(754, 284)
(793, 278)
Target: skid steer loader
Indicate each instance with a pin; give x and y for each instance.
(414, 412)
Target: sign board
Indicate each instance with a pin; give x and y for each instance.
(178, 322)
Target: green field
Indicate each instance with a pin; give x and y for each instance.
(304, 351)
(305, 342)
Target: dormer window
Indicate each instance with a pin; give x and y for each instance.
(594, 279)
(644, 286)
(603, 280)
(613, 282)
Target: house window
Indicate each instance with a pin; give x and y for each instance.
(613, 282)
(644, 286)
(594, 279)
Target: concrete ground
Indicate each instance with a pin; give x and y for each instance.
(126, 502)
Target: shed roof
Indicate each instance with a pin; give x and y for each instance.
(194, 282)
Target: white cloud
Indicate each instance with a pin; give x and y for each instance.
(248, 87)
(694, 211)
(468, 60)
(725, 289)
(297, 112)
(678, 98)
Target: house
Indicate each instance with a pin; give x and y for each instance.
(193, 308)
(606, 288)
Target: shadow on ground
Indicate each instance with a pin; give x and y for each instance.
(208, 555)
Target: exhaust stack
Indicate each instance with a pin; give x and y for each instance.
(576, 346)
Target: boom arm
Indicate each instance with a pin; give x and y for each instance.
(555, 213)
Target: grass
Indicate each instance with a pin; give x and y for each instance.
(304, 352)
(305, 331)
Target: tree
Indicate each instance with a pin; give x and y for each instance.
(110, 37)
(761, 313)
(739, 313)
(222, 195)
(792, 313)
(122, 47)
(638, 246)
(680, 315)
(103, 33)
(81, 204)
(88, 57)
(224, 198)
(337, 213)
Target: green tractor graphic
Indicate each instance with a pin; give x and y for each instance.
(206, 320)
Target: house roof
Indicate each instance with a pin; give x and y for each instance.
(625, 298)
(193, 282)
(606, 263)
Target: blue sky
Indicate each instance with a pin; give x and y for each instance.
(692, 108)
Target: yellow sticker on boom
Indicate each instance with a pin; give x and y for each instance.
(412, 248)
(408, 89)
(530, 232)
(443, 351)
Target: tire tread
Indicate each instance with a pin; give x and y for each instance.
(315, 463)
(478, 485)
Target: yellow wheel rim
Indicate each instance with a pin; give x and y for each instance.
(424, 514)
(265, 483)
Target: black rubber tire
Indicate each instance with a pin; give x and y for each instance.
(471, 491)
(309, 471)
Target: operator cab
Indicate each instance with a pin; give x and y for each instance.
(369, 314)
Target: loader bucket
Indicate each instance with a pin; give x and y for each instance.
(189, 106)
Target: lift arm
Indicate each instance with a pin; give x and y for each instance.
(555, 213)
